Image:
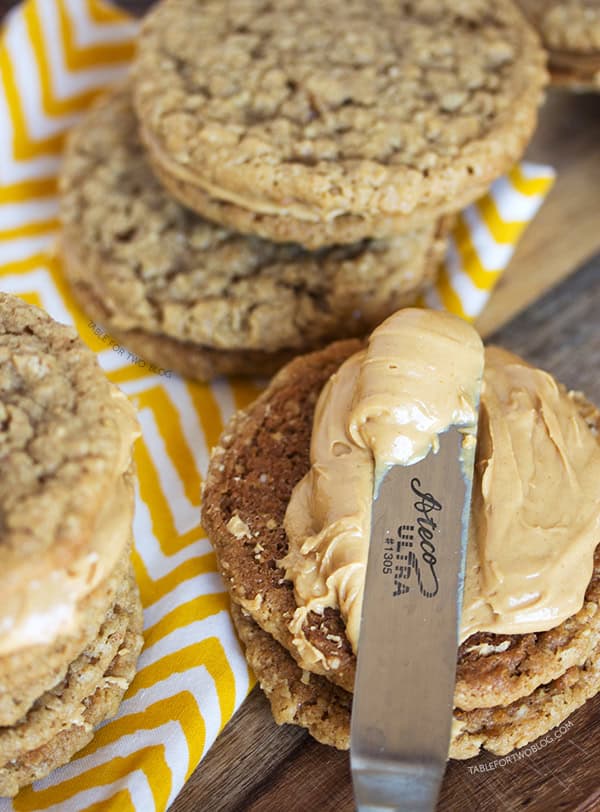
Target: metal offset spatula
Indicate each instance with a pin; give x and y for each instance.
(403, 697)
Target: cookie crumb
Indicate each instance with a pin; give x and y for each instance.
(238, 527)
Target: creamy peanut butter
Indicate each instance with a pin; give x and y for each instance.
(536, 501)
(419, 376)
(329, 515)
(385, 405)
(40, 602)
(535, 518)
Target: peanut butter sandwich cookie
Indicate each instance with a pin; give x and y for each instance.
(329, 122)
(70, 615)
(200, 299)
(287, 507)
(570, 30)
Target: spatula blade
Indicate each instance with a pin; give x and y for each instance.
(403, 698)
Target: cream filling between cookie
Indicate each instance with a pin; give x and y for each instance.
(282, 207)
(45, 604)
(40, 601)
(581, 66)
(535, 517)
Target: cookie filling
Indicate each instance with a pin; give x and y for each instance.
(581, 65)
(40, 597)
(386, 405)
(536, 501)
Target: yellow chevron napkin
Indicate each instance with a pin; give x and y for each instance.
(55, 55)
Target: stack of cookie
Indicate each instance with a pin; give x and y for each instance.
(300, 164)
(512, 686)
(70, 614)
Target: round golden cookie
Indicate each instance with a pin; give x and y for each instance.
(60, 436)
(66, 500)
(570, 30)
(311, 701)
(260, 457)
(62, 720)
(192, 296)
(317, 112)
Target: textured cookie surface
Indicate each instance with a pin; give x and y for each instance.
(319, 110)
(189, 359)
(262, 454)
(260, 457)
(56, 708)
(66, 500)
(296, 697)
(311, 701)
(158, 268)
(62, 720)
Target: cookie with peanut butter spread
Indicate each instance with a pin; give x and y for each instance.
(343, 229)
(198, 298)
(66, 511)
(570, 30)
(302, 116)
(62, 720)
(66, 499)
(262, 455)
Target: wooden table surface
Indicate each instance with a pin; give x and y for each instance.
(255, 766)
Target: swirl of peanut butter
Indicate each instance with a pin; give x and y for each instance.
(535, 518)
(386, 405)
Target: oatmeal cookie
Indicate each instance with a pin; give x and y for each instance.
(311, 701)
(70, 614)
(63, 719)
(152, 271)
(320, 112)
